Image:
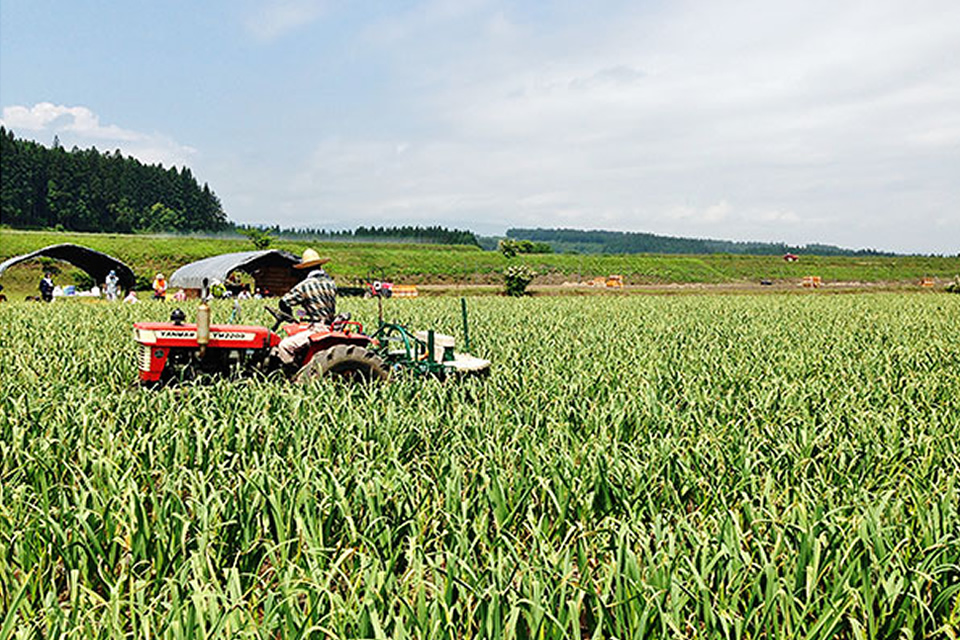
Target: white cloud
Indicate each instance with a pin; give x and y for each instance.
(278, 17)
(776, 215)
(46, 116)
(796, 121)
(80, 126)
(616, 76)
(428, 16)
(710, 214)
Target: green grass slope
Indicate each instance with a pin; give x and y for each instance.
(462, 264)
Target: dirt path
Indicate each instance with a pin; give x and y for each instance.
(686, 288)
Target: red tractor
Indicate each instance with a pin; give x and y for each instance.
(176, 351)
(375, 285)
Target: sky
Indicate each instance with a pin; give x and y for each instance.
(802, 121)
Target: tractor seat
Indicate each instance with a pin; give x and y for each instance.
(442, 345)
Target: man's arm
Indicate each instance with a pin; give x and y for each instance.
(330, 297)
(292, 297)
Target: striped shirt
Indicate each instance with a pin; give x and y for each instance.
(317, 295)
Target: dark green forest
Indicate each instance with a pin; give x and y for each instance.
(91, 190)
(614, 242)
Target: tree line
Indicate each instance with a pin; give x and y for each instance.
(511, 248)
(90, 190)
(614, 242)
(406, 233)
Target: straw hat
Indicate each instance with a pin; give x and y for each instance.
(311, 259)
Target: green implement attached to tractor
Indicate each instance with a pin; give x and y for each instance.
(427, 352)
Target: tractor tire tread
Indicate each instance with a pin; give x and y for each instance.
(344, 361)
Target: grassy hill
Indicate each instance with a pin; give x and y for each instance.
(421, 264)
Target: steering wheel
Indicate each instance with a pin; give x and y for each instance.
(279, 316)
(339, 321)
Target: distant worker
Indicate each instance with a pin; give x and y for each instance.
(131, 297)
(160, 287)
(217, 289)
(112, 285)
(47, 287)
(180, 295)
(317, 294)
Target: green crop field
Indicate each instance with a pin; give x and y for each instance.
(452, 264)
(776, 466)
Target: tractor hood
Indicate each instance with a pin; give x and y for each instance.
(229, 336)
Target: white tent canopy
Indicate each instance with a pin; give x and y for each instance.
(191, 276)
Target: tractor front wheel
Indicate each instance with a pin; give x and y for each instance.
(346, 362)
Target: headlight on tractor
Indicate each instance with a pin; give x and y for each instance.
(145, 336)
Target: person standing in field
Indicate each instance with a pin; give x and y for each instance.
(317, 294)
(46, 287)
(112, 285)
(160, 287)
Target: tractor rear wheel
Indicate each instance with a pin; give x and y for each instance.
(344, 361)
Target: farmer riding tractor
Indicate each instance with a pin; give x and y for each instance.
(177, 351)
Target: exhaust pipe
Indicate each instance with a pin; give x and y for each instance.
(466, 329)
(203, 321)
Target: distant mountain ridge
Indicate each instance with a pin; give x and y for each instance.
(613, 242)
